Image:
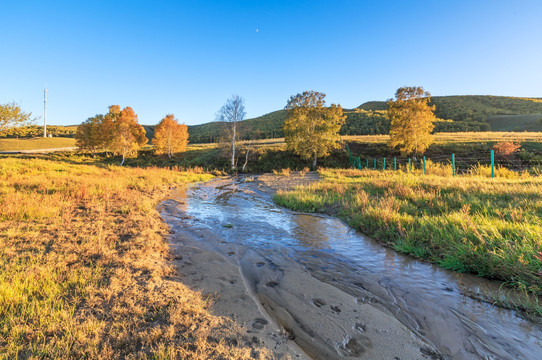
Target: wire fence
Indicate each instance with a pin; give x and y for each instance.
(455, 165)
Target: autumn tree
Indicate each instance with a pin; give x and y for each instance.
(170, 137)
(12, 115)
(89, 135)
(411, 120)
(122, 134)
(312, 129)
(231, 113)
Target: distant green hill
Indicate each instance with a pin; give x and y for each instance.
(473, 107)
(149, 131)
(457, 114)
(267, 126)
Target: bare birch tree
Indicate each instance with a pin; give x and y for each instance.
(231, 114)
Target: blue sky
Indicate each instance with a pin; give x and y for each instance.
(188, 57)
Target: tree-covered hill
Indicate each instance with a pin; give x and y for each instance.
(455, 114)
(479, 108)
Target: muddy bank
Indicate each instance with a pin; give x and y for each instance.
(308, 286)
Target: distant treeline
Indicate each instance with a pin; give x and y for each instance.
(454, 113)
(37, 131)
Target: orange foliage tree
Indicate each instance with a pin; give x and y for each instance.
(117, 131)
(121, 132)
(170, 137)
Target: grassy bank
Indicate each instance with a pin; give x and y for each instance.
(489, 227)
(84, 269)
(36, 143)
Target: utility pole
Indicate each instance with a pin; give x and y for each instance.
(45, 113)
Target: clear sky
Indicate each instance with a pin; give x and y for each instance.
(188, 57)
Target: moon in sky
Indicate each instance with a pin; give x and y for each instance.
(257, 30)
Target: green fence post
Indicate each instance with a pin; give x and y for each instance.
(492, 164)
(367, 166)
(424, 172)
(409, 166)
(453, 164)
(395, 163)
(384, 164)
(374, 162)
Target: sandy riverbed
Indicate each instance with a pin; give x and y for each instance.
(276, 302)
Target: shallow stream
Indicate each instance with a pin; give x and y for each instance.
(428, 300)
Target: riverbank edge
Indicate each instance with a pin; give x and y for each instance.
(525, 304)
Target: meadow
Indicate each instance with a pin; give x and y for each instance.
(84, 266)
(14, 144)
(470, 223)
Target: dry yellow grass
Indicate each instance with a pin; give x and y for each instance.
(36, 143)
(459, 137)
(84, 269)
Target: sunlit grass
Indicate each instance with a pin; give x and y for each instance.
(36, 143)
(472, 223)
(459, 137)
(84, 269)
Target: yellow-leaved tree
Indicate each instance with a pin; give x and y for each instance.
(411, 120)
(121, 132)
(170, 137)
(89, 135)
(12, 115)
(312, 129)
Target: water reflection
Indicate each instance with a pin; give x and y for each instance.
(427, 299)
(310, 232)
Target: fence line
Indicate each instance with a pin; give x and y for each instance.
(356, 163)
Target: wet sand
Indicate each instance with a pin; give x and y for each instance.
(277, 303)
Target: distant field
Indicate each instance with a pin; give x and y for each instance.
(35, 143)
(460, 137)
(515, 122)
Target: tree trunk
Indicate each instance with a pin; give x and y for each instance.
(122, 162)
(233, 147)
(314, 162)
(246, 159)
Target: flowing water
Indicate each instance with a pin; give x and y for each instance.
(428, 300)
